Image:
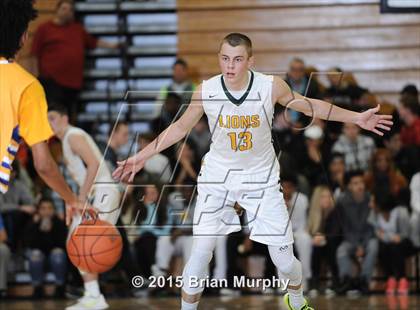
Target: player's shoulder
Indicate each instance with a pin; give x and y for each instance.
(21, 74)
(263, 77)
(75, 133)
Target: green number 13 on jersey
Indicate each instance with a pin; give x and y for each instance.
(244, 139)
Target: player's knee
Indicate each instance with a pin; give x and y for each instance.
(287, 267)
(194, 270)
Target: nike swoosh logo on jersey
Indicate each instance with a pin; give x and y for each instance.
(212, 96)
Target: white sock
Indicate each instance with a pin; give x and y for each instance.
(296, 298)
(92, 287)
(187, 306)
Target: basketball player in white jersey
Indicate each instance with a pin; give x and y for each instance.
(241, 165)
(85, 163)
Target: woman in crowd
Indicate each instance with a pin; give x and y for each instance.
(393, 231)
(383, 177)
(323, 226)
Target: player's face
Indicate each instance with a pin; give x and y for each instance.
(57, 121)
(234, 62)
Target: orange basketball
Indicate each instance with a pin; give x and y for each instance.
(95, 246)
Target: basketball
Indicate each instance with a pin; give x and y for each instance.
(95, 246)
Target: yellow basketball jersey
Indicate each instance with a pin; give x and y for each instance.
(23, 114)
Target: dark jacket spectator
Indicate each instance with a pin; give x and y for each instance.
(358, 234)
(46, 241)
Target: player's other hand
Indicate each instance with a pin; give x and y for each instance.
(128, 168)
(79, 207)
(371, 121)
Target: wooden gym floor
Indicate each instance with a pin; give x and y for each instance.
(220, 303)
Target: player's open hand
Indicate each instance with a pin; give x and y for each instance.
(371, 121)
(128, 168)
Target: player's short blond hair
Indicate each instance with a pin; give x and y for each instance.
(236, 39)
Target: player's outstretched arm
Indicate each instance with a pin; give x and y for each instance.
(368, 120)
(48, 171)
(81, 147)
(127, 169)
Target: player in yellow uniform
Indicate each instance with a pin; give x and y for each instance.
(23, 107)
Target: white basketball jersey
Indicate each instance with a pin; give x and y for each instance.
(75, 164)
(241, 128)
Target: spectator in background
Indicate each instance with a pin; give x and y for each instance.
(393, 232)
(117, 138)
(188, 165)
(301, 83)
(324, 228)
(178, 240)
(314, 74)
(409, 91)
(405, 159)
(344, 90)
(359, 241)
(16, 207)
(170, 112)
(382, 177)
(415, 209)
(337, 170)
(297, 205)
(149, 215)
(158, 166)
(409, 111)
(311, 161)
(180, 85)
(201, 137)
(4, 259)
(46, 240)
(58, 51)
(356, 148)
